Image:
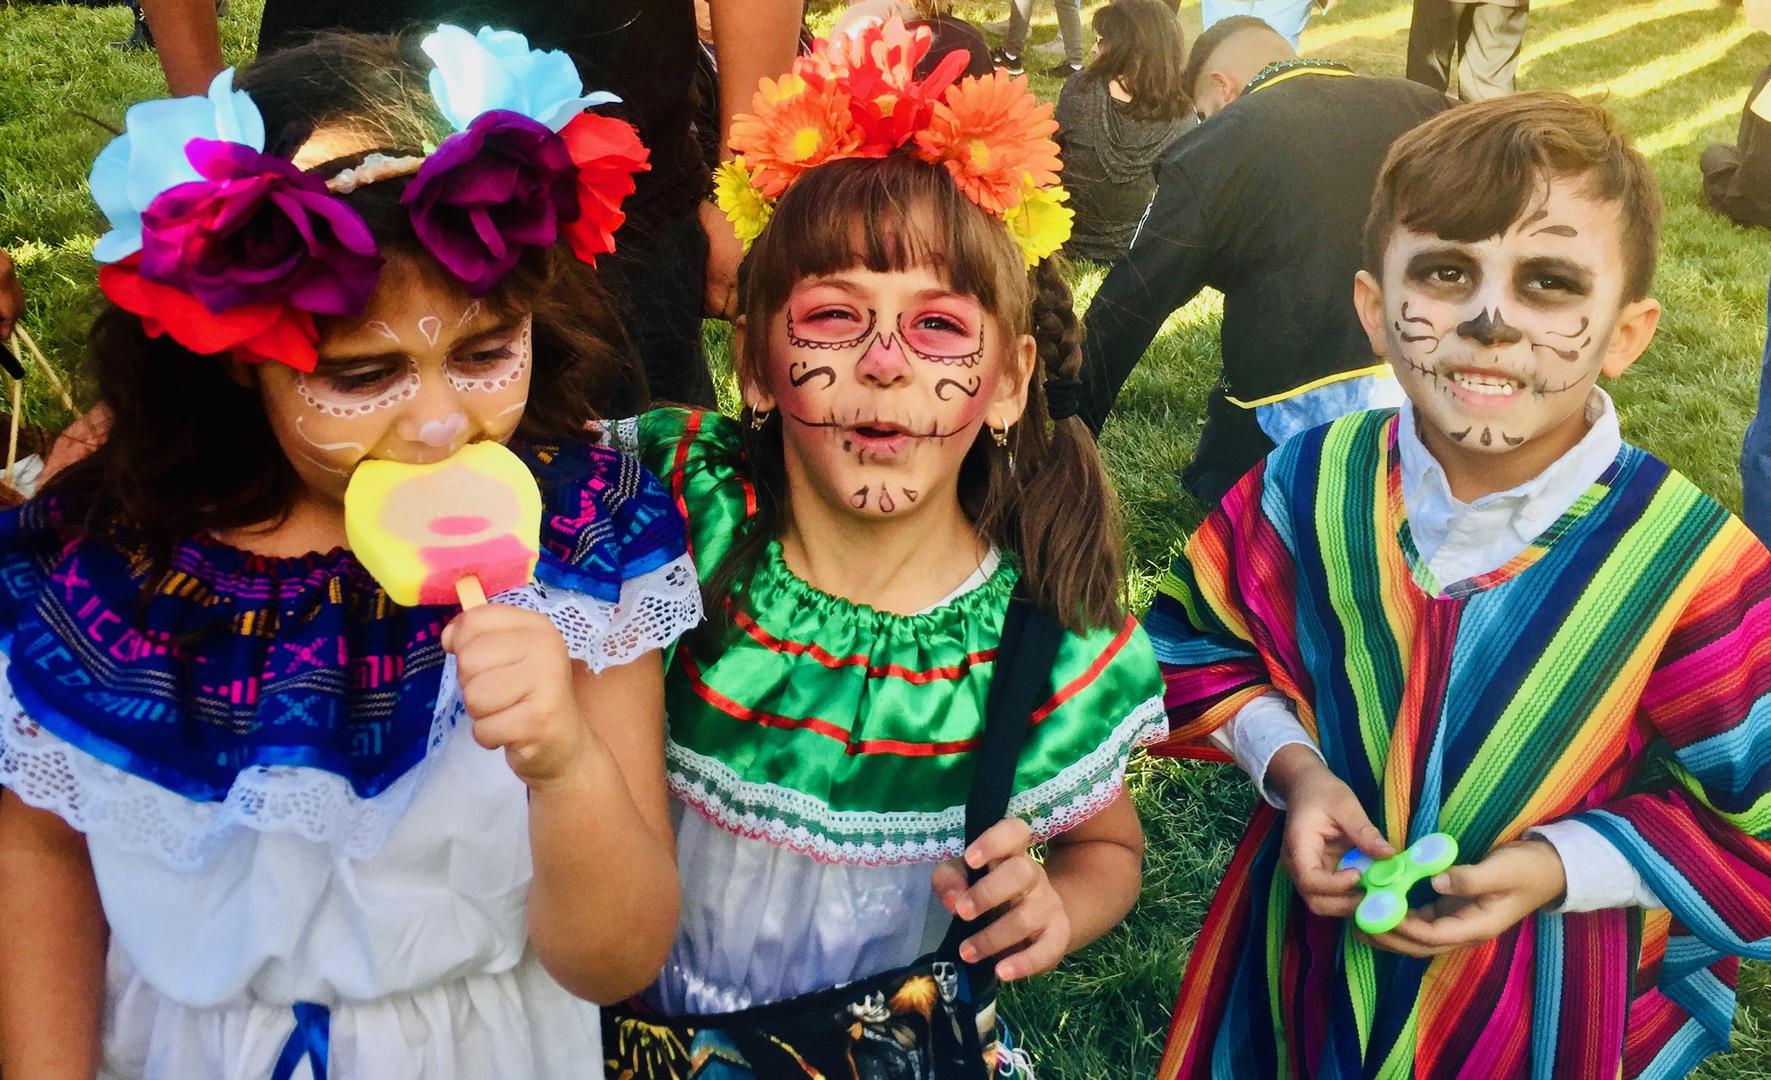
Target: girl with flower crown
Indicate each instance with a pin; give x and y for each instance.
(259, 820)
(907, 547)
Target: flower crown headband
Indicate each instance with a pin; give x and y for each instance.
(858, 97)
(230, 250)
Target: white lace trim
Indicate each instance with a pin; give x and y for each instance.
(622, 434)
(139, 815)
(654, 610)
(770, 812)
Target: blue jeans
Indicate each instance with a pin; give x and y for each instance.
(1755, 455)
(1286, 16)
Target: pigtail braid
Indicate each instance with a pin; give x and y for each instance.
(1070, 536)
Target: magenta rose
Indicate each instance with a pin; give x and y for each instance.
(504, 184)
(257, 229)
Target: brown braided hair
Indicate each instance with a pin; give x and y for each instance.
(1053, 511)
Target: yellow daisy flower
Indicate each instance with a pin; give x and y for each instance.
(1040, 222)
(741, 202)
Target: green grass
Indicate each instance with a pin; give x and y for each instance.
(1675, 72)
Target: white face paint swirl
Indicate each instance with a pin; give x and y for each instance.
(348, 392)
(495, 368)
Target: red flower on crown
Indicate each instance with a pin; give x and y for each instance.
(608, 154)
(255, 333)
(877, 69)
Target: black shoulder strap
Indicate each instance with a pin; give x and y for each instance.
(1022, 679)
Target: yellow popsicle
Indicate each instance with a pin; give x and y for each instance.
(462, 528)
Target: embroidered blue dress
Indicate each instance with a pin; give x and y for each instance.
(305, 859)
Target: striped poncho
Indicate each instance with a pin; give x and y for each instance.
(1618, 671)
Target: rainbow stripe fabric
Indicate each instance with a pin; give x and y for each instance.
(1617, 672)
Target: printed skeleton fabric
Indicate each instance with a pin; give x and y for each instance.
(1615, 672)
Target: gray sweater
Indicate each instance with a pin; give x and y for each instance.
(1108, 165)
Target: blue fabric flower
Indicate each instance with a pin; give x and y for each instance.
(496, 69)
(149, 157)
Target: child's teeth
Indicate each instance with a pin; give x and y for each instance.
(1482, 385)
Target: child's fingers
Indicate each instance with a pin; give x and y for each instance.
(1351, 821)
(1007, 881)
(1333, 905)
(1368, 839)
(1041, 954)
(490, 693)
(1475, 879)
(949, 882)
(1312, 868)
(489, 619)
(1013, 926)
(1435, 929)
(487, 652)
(1010, 836)
(508, 727)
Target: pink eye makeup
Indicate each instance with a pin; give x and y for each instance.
(353, 388)
(830, 326)
(946, 335)
(492, 366)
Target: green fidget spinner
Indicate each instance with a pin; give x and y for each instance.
(1387, 881)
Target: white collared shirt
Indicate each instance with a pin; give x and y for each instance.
(1460, 540)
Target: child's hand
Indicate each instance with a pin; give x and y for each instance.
(516, 680)
(1323, 821)
(1032, 930)
(1481, 901)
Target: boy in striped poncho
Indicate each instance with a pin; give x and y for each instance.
(1485, 615)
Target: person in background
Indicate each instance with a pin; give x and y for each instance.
(950, 31)
(678, 257)
(1755, 455)
(1737, 177)
(12, 296)
(1485, 38)
(1265, 201)
(1288, 17)
(1020, 20)
(1115, 117)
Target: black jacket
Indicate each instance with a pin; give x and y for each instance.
(1265, 202)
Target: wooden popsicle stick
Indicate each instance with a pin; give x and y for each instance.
(469, 592)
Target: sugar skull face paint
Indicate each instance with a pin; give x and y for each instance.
(1498, 343)
(347, 391)
(459, 372)
(884, 381)
(494, 369)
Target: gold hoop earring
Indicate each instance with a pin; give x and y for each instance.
(758, 418)
(1000, 435)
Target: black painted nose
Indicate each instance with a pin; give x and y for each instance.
(1489, 329)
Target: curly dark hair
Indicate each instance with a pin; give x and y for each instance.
(189, 451)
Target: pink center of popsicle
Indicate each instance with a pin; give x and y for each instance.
(459, 525)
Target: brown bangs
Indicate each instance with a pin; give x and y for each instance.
(884, 215)
(1472, 171)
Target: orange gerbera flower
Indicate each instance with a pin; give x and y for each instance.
(991, 133)
(795, 127)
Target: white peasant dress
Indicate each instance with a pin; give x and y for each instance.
(306, 872)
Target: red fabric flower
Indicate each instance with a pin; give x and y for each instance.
(608, 153)
(254, 333)
(877, 69)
